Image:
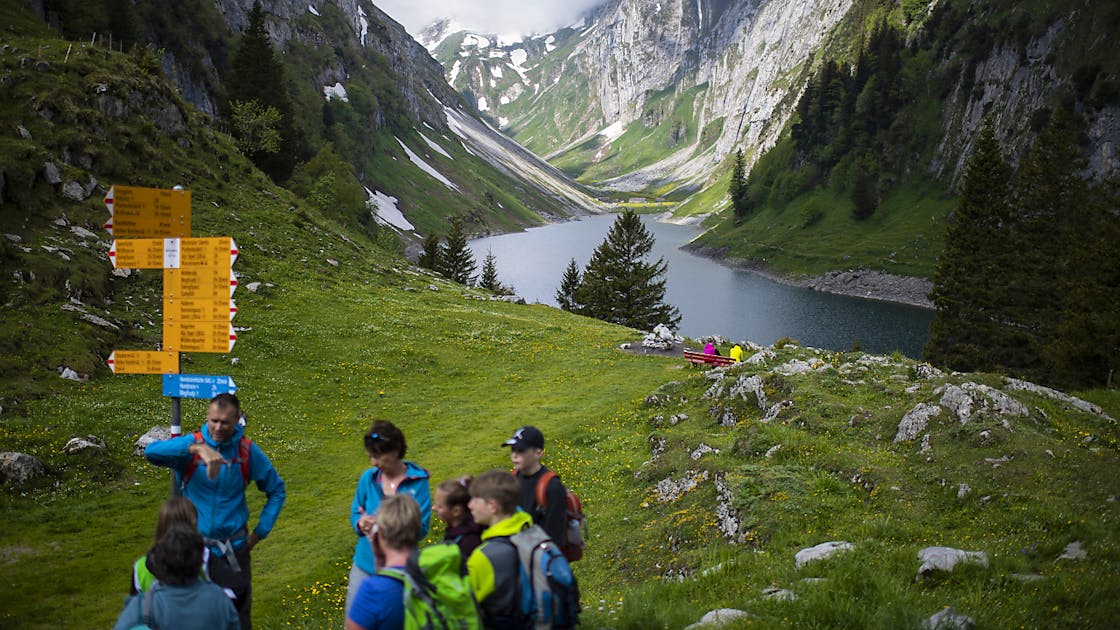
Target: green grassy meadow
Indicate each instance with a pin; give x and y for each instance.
(323, 358)
(809, 235)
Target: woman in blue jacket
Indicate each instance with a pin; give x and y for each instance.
(389, 475)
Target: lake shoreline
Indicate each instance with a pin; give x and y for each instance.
(862, 283)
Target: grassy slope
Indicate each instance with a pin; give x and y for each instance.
(902, 237)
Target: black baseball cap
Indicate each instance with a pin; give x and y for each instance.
(525, 437)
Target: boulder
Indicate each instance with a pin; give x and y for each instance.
(775, 409)
(511, 299)
(1073, 551)
(795, 366)
(821, 552)
(925, 372)
(727, 517)
(778, 593)
(99, 321)
(948, 619)
(748, 387)
(718, 617)
(155, 434)
(701, 451)
(1053, 394)
(73, 191)
(86, 445)
(915, 421)
(760, 357)
(968, 398)
(52, 174)
(947, 558)
(17, 469)
(668, 490)
(68, 374)
(81, 232)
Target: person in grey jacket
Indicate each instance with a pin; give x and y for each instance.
(180, 599)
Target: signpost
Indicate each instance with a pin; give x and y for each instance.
(203, 386)
(153, 230)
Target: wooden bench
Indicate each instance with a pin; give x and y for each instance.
(699, 358)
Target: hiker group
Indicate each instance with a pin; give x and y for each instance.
(504, 561)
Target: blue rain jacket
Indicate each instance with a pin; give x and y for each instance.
(222, 510)
(368, 496)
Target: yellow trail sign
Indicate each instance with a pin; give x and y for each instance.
(198, 336)
(139, 253)
(136, 212)
(143, 362)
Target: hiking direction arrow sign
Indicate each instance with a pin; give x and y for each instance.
(203, 386)
(136, 212)
(197, 296)
(143, 362)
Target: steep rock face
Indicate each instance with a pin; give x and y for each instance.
(289, 21)
(1012, 88)
(735, 64)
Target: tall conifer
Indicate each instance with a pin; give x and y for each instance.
(456, 260)
(966, 292)
(489, 279)
(257, 75)
(1049, 201)
(569, 285)
(619, 286)
(738, 186)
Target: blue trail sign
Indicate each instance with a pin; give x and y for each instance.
(197, 385)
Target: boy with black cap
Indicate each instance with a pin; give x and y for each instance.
(543, 495)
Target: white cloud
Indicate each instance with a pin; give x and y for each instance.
(490, 16)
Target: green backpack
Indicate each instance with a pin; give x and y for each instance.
(437, 591)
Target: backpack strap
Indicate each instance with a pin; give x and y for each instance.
(244, 453)
(145, 607)
(542, 487)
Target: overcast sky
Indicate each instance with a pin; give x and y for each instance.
(490, 16)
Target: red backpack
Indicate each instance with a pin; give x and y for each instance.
(244, 447)
(575, 531)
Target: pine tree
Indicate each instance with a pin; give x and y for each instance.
(489, 280)
(1049, 202)
(738, 187)
(569, 286)
(456, 261)
(1085, 349)
(430, 254)
(257, 75)
(967, 323)
(619, 286)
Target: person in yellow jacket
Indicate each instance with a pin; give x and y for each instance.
(493, 566)
(736, 353)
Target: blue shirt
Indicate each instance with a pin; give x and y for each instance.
(379, 604)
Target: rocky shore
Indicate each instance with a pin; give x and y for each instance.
(862, 283)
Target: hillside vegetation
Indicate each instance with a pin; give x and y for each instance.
(865, 173)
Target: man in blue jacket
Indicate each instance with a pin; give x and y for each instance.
(213, 467)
